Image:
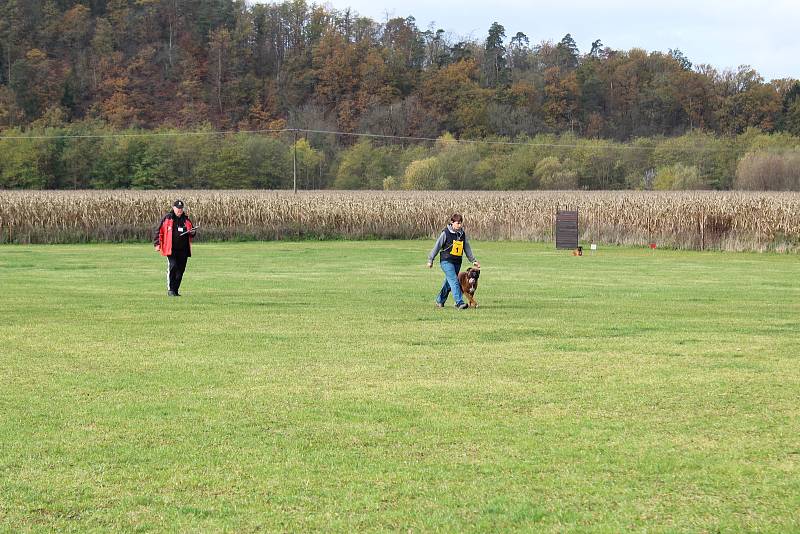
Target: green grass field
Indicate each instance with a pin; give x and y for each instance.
(313, 386)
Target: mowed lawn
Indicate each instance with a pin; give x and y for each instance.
(304, 386)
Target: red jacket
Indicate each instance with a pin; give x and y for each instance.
(163, 239)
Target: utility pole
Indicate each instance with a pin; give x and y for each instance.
(294, 162)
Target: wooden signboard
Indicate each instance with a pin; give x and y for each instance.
(567, 229)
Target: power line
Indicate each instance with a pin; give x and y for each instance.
(471, 141)
(142, 134)
(356, 134)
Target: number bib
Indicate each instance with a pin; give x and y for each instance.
(457, 249)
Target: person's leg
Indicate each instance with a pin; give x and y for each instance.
(451, 272)
(445, 291)
(180, 267)
(171, 268)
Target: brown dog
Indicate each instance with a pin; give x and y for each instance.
(469, 284)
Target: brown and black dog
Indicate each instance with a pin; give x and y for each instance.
(469, 284)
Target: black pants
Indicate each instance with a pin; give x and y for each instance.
(175, 268)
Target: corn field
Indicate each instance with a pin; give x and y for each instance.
(733, 221)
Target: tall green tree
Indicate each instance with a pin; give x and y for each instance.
(567, 53)
(495, 62)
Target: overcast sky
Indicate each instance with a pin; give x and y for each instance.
(723, 33)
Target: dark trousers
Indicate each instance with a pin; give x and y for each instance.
(175, 268)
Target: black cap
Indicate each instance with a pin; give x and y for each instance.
(178, 204)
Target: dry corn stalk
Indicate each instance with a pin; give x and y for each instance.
(693, 220)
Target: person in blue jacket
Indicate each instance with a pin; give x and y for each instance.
(451, 247)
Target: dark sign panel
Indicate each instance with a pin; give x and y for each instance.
(567, 229)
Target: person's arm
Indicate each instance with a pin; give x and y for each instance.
(468, 252)
(436, 248)
(157, 238)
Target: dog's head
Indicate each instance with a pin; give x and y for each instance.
(473, 274)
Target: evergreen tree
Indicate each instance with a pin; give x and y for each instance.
(495, 74)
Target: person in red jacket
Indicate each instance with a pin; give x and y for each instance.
(174, 240)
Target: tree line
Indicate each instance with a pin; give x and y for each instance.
(195, 65)
(180, 63)
(92, 156)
